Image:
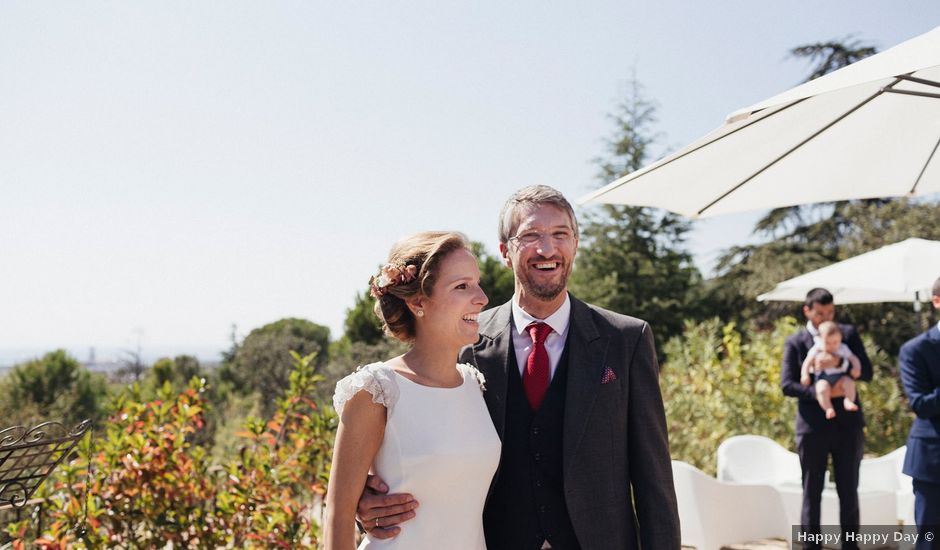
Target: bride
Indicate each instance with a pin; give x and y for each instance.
(418, 420)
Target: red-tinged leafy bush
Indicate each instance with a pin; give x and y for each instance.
(145, 484)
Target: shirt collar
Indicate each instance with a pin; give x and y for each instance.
(814, 332)
(558, 320)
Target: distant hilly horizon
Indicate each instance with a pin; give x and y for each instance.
(10, 357)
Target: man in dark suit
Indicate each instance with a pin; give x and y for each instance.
(920, 374)
(818, 437)
(573, 392)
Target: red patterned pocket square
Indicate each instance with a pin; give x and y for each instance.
(608, 376)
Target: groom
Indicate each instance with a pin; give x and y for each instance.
(573, 392)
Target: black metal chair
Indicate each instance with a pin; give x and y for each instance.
(29, 455)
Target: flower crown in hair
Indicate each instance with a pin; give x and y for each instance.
(391, 275)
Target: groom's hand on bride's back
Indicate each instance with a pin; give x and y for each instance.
(380, 513)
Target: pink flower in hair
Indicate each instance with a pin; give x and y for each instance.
(389, 276)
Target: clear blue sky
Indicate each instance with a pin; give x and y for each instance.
(170, 168)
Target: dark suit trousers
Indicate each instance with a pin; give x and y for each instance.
(927, 512)
(845, 446)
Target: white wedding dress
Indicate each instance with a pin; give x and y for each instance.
(440, 446)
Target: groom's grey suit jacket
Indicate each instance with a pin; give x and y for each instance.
(617, 473)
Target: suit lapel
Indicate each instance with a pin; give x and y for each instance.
(808, 342)
(491, 355)
(586, 352)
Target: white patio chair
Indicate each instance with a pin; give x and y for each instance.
(884, 474)
(757, 459)
(713, 514)
(760, 460)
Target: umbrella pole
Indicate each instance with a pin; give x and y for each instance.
(921, 325)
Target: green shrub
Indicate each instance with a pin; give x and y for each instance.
(716, 386)
(888, 416)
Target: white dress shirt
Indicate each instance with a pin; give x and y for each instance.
(554, 344)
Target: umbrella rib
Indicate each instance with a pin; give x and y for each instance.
(800, 144)
(612, 185)
(924, 169)
(912, 92)
(736, 130)
(923, 81)
(917, 80)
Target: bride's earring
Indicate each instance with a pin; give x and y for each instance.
(420, 313)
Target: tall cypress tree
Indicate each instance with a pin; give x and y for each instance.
(632, 259)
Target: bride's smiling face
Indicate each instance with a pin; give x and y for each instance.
(450, 312)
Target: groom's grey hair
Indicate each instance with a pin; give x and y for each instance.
(528, 197)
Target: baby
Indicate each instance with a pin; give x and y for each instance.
(829, 345)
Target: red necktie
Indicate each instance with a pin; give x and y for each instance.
(535, 380)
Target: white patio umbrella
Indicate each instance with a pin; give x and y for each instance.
(899, 272)
(871, 129)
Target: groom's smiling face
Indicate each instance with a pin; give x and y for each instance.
(541, 251)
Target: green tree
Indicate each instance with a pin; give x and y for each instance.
(833, 54)
(262, 361)
(495, 278)
(177, 371)
(54, 387)
(632, 259)
(362, 324)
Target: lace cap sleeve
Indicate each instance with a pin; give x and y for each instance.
(376, 379)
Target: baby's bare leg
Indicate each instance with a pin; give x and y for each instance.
(823, 392)
(848, 388)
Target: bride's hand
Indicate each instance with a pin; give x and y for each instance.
(380, 513)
